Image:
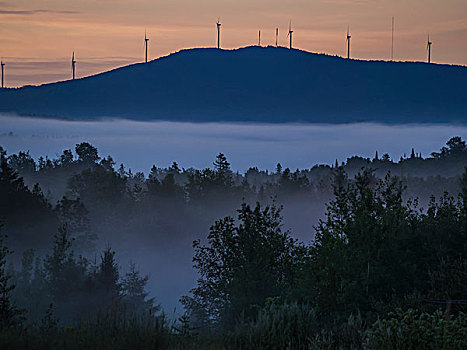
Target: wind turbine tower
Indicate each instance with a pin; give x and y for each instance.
(348, 43)
(3, 71)
(146, 39)
(259, 37)
(392, 40)
(277, 34)
(428, 47)
(289, 34)
(73, 65)
(218, 33)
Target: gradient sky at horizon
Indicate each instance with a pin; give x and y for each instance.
(37, 37)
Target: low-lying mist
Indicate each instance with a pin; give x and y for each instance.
(139, 145)
(157, 233)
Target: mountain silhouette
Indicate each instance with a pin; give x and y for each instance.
(255, 84)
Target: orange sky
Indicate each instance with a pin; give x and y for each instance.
(37, 37)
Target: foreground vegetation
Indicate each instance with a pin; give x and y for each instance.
(381, 273)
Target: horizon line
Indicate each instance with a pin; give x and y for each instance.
(269, 46)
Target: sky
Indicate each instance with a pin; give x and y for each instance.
(37, 37)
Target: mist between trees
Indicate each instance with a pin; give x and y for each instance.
(368, 249)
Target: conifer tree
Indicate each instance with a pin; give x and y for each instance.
(134, 291)
(223, 174)
(108, 275)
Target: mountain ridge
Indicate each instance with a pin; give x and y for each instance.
(255, 84)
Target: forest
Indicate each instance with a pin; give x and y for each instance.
(365, 254)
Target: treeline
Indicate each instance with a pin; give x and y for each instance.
(373, 253)
(380, 273)
(376, 276)
(97, 199)
(377, 273)
(62, 286)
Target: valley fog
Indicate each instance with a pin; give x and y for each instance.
(139, 145)
(158, 238)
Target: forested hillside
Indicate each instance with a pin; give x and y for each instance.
(376, 263)
(255, 84)
(100, 196)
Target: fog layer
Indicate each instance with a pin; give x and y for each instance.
(139, 145)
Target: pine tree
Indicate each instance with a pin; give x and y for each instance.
(135, 294)
(221, 165)
(108, 275)
(9, 180)
(223, 174)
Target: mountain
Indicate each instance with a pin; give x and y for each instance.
(258, 84)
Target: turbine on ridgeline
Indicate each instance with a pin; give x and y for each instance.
(428, 48)
(73, 65)
(277, 34)
(259, 37)
(3, 72)
(348, 42)
(289, 34)
(146, 39)
(392, 40)
(218, 24)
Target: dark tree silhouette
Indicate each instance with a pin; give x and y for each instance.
(134, 292)
(9, 314)
(108, 276)
(87, 153)
(242, 266)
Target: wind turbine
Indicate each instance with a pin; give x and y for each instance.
(277, 34)
(73, 65)
(289, 34)
(3, 67)
(348, 43)
(392, 40)
(218, 33)
(428, 47)
(146, 39)
(259, 37)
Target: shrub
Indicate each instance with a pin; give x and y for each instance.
(414, 330)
